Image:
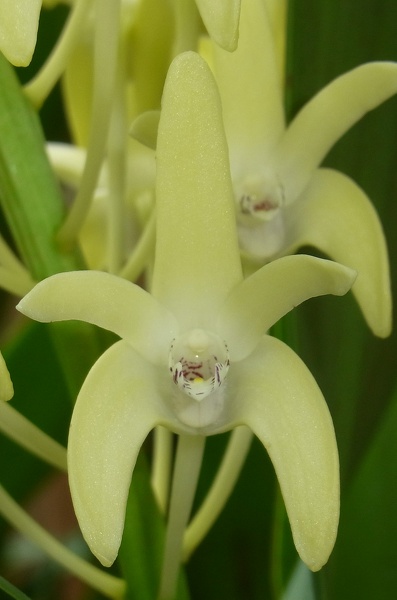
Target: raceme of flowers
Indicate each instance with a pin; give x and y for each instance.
(193, 355)
(229, 188)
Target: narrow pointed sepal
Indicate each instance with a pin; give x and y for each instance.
(221, 19)
(116, 408)
(19, 20)
(197, 257)
(252, 104)
(278, 398)
(271, 292)
(335, 215)
(109, 302)
(326, 118)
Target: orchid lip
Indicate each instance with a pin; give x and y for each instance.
(259, 199)
(198, 363)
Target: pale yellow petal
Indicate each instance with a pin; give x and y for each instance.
(107, 301)
(251, 92)
(114, 412)
(335, 215)
(19, 20)
(326, 118)
(221, 19)
(271, 292)
(277, 12)
(278, 398)
(197, 258)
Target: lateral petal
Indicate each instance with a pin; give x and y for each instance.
(263, 298)
(19, 20)
(116, 408)
(325, 119)
(197, 259)
(109, 302)
(277, 397)
(335, 215)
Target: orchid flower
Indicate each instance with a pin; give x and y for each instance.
(194, 356)
(283, 199)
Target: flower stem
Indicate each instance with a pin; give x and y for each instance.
(110, 586)
(140, 254)
(24, 432)
(41, 85)
(105, 66)
(187, 21)
(222, 486)
(117, 172)
(186, 473)
(162, 454)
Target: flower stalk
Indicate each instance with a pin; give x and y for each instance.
(189, 456)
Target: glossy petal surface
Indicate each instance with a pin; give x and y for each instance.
(19, 20)
(267, 295)
(109, 302)
(116, 408)
(326, 117)
(197, 259)
(335, 215)
(277, 397)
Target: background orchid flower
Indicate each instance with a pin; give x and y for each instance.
(284, 200)
(193, 355)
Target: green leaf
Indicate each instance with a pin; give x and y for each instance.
(355, 370)
(363, 563)
(29, 194)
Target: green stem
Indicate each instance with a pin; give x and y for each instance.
(140, 255)
(161, 466)
(186, 473)
(41, 85)
(222, 486)
(24, 432)
(117, 158)
(187, 26)
(110, 586)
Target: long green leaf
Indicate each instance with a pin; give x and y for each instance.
(11, 590)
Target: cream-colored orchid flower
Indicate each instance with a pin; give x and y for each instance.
(284, 200)
(19, 21)
(193, 355)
